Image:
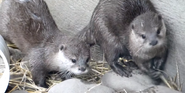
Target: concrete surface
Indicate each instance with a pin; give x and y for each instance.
(71, 15)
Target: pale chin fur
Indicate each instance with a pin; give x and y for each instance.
(142, 49)
(62, 63)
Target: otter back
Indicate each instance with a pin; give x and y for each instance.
(24, 23)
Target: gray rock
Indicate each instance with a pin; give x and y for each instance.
(78, 86)
(158, 89)
(19, 91)
(71, 86)
(137, 82)
(101, 89)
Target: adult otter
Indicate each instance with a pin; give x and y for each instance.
(29, 25)
(129, 27)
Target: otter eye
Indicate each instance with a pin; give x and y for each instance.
(158, 31)
(73, 60)
(87, 59)
(143, 36)
(62, 47)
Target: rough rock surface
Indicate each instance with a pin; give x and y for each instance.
(136, 83)
(158, 89)
(78, 86)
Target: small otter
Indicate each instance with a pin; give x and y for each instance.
(128, 28)
(29, 25)
(68, 57)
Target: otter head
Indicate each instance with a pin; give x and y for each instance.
(72, 57)
(148, 34)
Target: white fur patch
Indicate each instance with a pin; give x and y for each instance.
(62, 63)
(78, 72)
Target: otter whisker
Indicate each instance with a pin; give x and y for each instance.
(140, 47)
(66, 74)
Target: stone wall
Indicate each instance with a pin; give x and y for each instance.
(71, 15)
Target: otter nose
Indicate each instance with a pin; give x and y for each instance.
(82, 69)
(154, 42)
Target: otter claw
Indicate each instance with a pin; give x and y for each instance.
(155, 74)
(122, 71)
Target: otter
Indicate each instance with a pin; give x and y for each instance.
(131, 28)
(29, 25)
(67, 57)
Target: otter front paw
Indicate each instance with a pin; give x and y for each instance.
(39, 77)
(42, 83)
(40, 80)
(122, 71)
(154, 74)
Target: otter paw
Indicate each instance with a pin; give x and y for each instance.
(155, 74)
(122, 71)
(43, 85)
